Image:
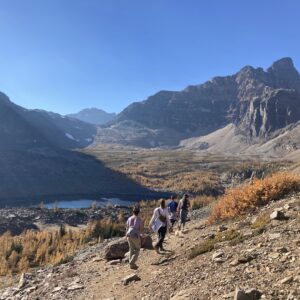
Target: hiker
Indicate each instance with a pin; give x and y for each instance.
(172, 208)
(134, 229)
(160, 222)
(183, 209)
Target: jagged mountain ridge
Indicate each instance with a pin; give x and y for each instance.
(258, 102)
(93, 116)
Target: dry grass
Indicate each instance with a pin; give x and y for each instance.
(209, 244)
(201, 201)
(237, 201)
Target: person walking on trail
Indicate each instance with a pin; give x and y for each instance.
(183, 209)
(172, 208)
(160, 222)
(134, 229)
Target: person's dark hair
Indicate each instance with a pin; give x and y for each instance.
(185, 199)
(173, 197)
(136, 210)
(162, 203)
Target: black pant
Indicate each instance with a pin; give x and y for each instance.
(161, 236)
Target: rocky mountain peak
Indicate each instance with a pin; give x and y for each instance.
(257, 101)
(282, 64)
(93, 115)
(284, 74)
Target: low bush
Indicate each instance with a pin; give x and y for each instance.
(239, 200)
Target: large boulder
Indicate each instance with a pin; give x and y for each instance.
(147, 242)
(118, 249)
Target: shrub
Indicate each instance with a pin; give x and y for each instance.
(39, 248)
(237, 201)
(209, 244)
(201, 201)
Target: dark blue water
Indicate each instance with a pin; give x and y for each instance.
(87, 203)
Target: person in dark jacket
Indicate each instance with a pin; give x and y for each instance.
(172, 207)
(183, 209)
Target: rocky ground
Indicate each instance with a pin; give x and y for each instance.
(259, 251)
(16, 220)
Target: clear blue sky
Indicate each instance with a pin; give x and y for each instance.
(65, 55)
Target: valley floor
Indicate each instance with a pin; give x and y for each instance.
(268, 261)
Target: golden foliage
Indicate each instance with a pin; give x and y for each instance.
(238, 200)
(39, 248)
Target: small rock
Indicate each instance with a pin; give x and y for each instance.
(274, 236)
(222, 228)
(133, 277)
(281, 250)
(297, 278)
(218, 254)
(57, 289)
(22, 281)
(252, 294)
(287, 280)
(75, 287)
(246, 258)
(114, 262)
(97, 258)
(274, 255)
(210, 236)
(277, 215)
(30, 289)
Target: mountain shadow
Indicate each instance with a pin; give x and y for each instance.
(44, 174)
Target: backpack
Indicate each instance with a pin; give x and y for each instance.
(161, 217)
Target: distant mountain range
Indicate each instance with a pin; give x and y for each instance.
(257, 105)
(253, 112)
(38, 161)
(93, 116)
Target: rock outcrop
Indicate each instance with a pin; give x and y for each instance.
(118, 249)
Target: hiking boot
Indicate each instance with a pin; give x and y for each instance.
(162, 249)
(133, 267)
(156, 249)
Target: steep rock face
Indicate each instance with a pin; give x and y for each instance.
(256, 101)
(197, 108)
(267, 101)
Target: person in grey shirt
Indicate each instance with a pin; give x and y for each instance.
(134, 229)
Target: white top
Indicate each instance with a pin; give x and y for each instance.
(155, 222)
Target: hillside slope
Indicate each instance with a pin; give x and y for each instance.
(38, 162)
(23, 128)
(253, 252)
(284, 144)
